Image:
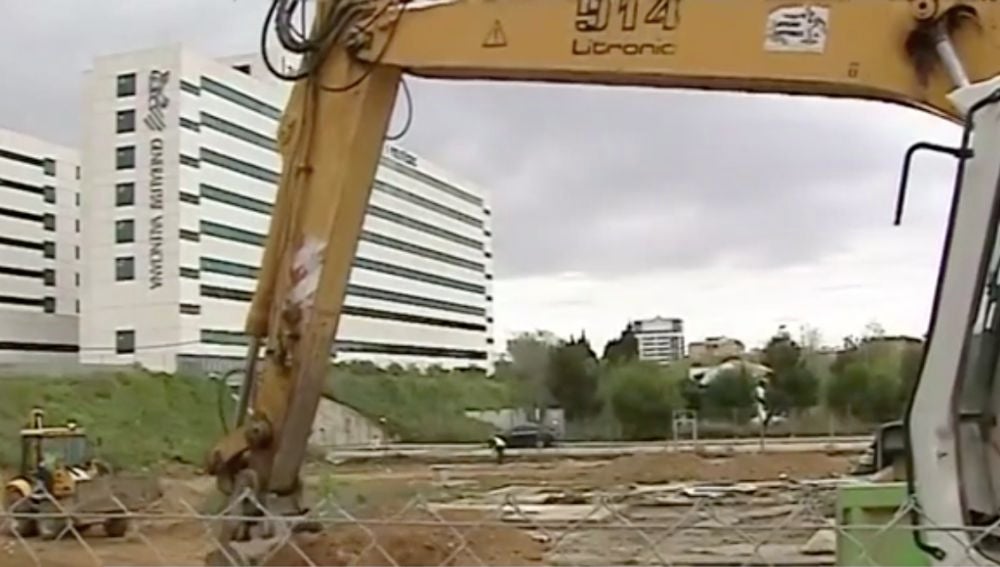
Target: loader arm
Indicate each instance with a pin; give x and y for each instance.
(908, 52)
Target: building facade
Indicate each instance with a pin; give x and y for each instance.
(715, 349)
(181, 167)
(39, 253)
(661, 339)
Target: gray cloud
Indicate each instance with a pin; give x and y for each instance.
(597, 180)
(624, 180)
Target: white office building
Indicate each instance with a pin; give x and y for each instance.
(660, 339)
(39, 256)
(180, 170)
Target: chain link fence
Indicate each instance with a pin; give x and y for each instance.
(772, 523)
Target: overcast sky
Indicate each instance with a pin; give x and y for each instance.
(736, 212)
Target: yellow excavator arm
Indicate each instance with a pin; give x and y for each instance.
(885, 49)
(909, 52)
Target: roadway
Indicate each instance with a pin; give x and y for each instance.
(595, 450)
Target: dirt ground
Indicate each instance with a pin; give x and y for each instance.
(466, 493)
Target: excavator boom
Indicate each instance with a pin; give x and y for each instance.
(884, 50)
(907, 52)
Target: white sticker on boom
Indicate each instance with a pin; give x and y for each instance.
(801, 28)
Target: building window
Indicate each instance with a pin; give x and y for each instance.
(76, 197)
(49, 304)
(190, 235)
(49, 194)
(426, 203)
(190, 198)
(126, 85)
(433, 182)
(76, 252)
(218, 337)
(402, 220)
(49, 221)
(404, 272)
(77, 279)
(77, 305)
(190, 309)
(239, 166)
(433, 254)
(238, 132)
(124, 194)
(49, 249)
(125, 157)
(226, 293)
(77, 222)
(125, 121)
(124, 269)
(49, 166)
(234, 199)
(190, 273)
(49, 276)
(228, 268)
(190, 124)
(232, 95)
(190, 161)
(78, 173)
(125, 342)
(124, 231)
(231, 233)
(408, 299)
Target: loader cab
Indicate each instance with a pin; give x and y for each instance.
(68, 442)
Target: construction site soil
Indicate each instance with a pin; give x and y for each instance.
(440, 529)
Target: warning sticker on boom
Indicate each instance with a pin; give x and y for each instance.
(802, 28)
(496, 36)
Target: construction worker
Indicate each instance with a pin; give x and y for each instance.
(46, 471)
(499, 445)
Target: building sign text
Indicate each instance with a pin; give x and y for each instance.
(156, 121)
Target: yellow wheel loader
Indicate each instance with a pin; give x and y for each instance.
(58, 479)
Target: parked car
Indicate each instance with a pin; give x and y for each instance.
(529, 435)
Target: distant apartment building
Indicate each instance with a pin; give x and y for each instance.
(39, 252)
(715, 349)
(181, 171)
(660, 339)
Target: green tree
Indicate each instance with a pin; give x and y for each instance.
(531, 357)
(643, 397)
(794, 386)
(622, 349)
(847, 390)
(574, 378)
(873, 379)
(584, 343)
(692, 394)
(728, 394)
